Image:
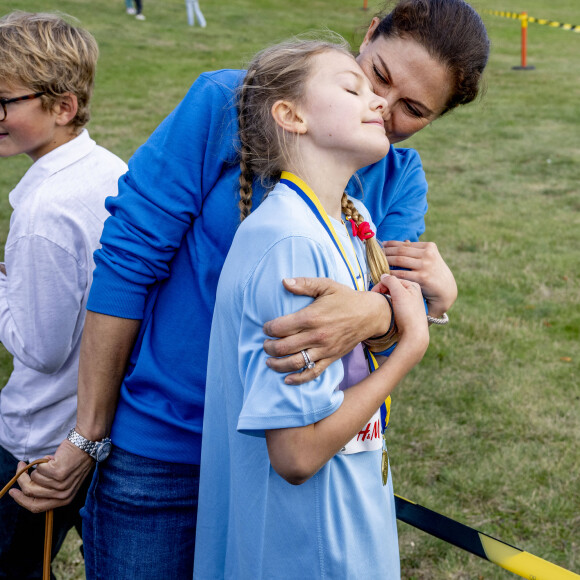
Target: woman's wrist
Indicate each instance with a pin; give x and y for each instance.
(437, 309)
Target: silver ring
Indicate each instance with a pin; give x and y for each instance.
(308, 364)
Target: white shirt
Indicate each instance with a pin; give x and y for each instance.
(55, 227)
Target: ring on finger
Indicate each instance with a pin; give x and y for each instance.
(308, 363)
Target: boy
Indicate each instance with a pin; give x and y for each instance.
(47, 70)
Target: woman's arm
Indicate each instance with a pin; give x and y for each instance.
(139, 240)
(298, 453)
(327, 327)
(105, 349)
(422, 263)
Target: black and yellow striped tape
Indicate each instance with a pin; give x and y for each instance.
(513, 559)
(518, 16)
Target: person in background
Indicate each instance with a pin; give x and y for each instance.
(136, 10)
(129, 8)
(278, 463)
(47, 71)
(193, 10)
(144, 354)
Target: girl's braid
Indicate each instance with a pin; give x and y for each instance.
(378, 266)
(246, 176)
(376, 259)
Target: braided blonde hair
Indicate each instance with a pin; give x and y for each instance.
(376, 258)
(378, 266)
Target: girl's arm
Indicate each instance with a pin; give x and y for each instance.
(298, 453)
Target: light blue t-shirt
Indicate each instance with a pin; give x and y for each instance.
(251, 523)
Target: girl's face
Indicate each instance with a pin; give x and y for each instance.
(416, 86)
(343, 117)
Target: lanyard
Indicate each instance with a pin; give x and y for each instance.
(309, 197)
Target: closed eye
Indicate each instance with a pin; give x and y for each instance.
(380, 76)
(409, 108)
(413, 111)
(351, 92)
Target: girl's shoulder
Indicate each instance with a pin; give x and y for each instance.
(282, 214)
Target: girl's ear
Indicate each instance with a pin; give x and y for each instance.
(286, 116)
(66, 109)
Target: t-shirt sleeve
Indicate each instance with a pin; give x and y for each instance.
(162, 194)
(405, 219)
(269, 403)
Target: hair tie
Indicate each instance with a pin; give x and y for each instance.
(362, 231)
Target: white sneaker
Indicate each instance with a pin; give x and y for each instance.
(131, 11)
(140, 17)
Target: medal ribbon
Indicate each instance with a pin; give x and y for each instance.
(309, 197)
(311, 200)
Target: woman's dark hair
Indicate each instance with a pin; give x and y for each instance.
(452, 32)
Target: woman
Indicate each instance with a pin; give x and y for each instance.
(147, 330)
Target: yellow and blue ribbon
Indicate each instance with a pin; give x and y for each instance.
(312, 201)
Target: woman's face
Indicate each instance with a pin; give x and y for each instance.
(416, 86)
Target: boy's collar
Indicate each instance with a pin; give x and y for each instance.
(51, 163)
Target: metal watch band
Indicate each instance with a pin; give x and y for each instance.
(98, 450)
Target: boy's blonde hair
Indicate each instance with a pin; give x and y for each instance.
(46, 53)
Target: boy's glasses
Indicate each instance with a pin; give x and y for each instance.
(4, 102)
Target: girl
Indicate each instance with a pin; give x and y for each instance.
(291, 482)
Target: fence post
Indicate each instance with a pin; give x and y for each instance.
(524, 57)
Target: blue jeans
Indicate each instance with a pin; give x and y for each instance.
(139, 519)
(22, 532)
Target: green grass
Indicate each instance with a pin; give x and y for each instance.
(487, 429)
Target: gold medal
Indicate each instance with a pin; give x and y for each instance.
(385, 462)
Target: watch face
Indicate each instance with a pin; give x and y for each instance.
(103, 451)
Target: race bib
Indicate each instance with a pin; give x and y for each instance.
(355, 370)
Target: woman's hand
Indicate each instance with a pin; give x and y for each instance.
(330, 327)
(424, 265)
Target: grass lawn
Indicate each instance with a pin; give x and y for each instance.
(487, 429)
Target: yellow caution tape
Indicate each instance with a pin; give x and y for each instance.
(543, 21)
(508, 557)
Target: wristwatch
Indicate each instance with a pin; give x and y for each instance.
(98, 450)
